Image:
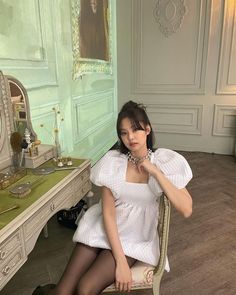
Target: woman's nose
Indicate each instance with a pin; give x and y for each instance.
(131, 135)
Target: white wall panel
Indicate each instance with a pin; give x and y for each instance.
(160, 63)
(225, 120)
(227, 64)
(185, 119)
(186, 75)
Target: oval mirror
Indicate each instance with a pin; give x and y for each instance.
(20, 107)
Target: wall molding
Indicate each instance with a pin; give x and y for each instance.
(102, 105)
(226, 84)
(224, 123)
(171, 118)
(38, 71)
(197, 86)
(44, 115)
(169, 15)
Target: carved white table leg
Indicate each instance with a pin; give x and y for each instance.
(88, 198)
(45, 231)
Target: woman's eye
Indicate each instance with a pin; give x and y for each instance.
(123, 133)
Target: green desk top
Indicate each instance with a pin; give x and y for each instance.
(39, 189)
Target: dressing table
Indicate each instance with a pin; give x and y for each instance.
(20, 227)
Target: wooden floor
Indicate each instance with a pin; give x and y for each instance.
(202, 249)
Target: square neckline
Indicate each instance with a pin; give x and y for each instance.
(128, 182)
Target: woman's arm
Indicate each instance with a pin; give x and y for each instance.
(180, 198)
(123, 273)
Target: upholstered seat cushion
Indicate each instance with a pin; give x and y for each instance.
(142, 275)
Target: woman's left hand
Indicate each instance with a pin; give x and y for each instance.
(180, 198)
(147, 166)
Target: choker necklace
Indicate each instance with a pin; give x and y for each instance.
(135, 160)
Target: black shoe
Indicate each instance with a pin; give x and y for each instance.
(43, 290)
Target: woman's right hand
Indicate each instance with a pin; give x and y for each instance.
(123, 276)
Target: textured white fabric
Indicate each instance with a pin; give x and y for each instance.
(136, 204)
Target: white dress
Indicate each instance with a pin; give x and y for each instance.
(136, 204)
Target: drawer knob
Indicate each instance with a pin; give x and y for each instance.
(6, 270)
(52, 207)
(2, 254)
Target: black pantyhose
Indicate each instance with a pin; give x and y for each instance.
(88, 272)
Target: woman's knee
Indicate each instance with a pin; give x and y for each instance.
(85, 287)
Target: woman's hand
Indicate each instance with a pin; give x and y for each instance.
(180, 198)
(147, 166)
(123, 276)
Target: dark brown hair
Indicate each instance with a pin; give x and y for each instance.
(136, 112)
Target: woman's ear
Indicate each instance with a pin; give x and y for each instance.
(148, 129)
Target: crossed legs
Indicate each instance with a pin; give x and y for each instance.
(88, 272)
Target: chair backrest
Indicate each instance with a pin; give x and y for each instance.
(163, 231)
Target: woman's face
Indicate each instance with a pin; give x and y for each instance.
(133, 138)
(93, 4)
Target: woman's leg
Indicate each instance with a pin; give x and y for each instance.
(100, 275)
(81, 259)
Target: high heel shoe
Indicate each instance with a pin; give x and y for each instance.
(43, 290)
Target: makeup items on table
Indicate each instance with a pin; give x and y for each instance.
(7, 208)
(23, 189)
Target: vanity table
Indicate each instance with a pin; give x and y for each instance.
(20, 228)
(48, 194)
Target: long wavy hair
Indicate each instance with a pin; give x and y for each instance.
(136, 112)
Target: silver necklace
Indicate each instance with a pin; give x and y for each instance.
(135, 160)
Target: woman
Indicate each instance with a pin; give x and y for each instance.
(121, 229)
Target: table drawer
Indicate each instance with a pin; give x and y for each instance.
(11, 265)
(82, 190)
(81, 178)
(40, 218)
(9, 245)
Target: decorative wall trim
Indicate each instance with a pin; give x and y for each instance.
(40, 111)
(94, 110)
(169, 15)
(170, 118)
(197, 85)
(224, 120)
(44, 115)
(226, 82)
(41, 70)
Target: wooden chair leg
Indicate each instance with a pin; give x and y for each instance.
(156, 285)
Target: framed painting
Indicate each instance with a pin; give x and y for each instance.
(91, 37)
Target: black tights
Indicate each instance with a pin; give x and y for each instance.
(88, 272)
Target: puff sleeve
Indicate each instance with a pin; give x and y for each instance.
(174, 166)
(108, 171)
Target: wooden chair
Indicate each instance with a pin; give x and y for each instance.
(144, 275)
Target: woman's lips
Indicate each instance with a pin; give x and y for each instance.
(132, 144)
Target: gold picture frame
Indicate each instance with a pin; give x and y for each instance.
(91, 37)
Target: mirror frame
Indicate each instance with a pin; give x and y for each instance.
(7, 122)
(23, 91)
